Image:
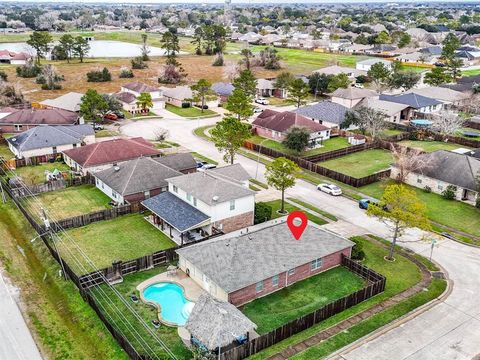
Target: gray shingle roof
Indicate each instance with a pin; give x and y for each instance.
(70, 101)
(135, 176)
(222, 88)
(324, 111)
(236, 262)
(209, 188)
(44, 136)
(234, 171)
(179, 162)
(414, 100)
(178, 213)
(140, 87)
(353, 93)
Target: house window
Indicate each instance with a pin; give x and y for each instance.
(175, 189)
(114, 194)
(146, 194)
(315, 264)
(275, 280)
(74, 145)
(54, 149)
(97, 182)
(18, 127)
(194, 201)
(189, 197)
(291, 272)
(419, 180)
(440, 187)
(232, 204)
(259, 286)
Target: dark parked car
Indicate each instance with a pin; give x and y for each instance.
(111, 116)
(119, 114)
(365, 203)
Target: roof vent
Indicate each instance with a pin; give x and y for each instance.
(116, 168)
(215, 198)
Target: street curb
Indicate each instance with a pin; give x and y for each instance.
(398, 322)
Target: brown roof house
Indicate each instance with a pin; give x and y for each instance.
(102, 155)
(19, 120)
(130, 92)
(351, 96)
(274, 125)
(10, 57)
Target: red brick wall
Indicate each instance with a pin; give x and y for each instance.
(267, 133)
(249, 293)
(140, 196)
(236, 222)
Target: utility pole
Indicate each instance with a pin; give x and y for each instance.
(48, 230)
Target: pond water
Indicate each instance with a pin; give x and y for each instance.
(98, 49)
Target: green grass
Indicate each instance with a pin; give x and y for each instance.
(203, 158)
(124, 238)
(35, 174)
(191, 112)
(63, 324)
(401, 275)
(258, 183)
(471, 72)
(362, 163)
(167, 334)
(106, 133)
(74, 201)
(5, 152)
(301, 298)
(200, 132)
(434, 290)
(459, 133)
(277, 204)
(430, 146)
(455, 214)
(328, 145)
(313, 208)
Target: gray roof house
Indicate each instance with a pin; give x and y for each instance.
(70, 101)
(325, 112)
(232, 265)
(183, 162)
(49, 140)
(420, 103)
(223, 89)
(213, 323)
(134, 180)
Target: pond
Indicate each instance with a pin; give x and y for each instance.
(98, 49)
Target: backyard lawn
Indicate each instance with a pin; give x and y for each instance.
(301, 298)
(74, 201)
(124, 238)
(277, 204)
(328, 145)
(35, 174)
(5, 152)
(190, 111)
(451, 213)
(430, 146)
(362, 163)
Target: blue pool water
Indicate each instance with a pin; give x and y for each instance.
(175, 308)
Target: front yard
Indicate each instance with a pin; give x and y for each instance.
(124, 238)
(301, 298)
(35, 174)
(190, 112)
(361, 164)
(430, 146)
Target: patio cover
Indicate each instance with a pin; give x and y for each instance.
(176, 212)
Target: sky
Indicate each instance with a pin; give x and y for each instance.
(233, 1)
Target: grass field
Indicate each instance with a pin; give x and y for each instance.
(362, 163)
(74, 201)
(63, 325)
(191, 112)
(5, 152)
(301, 298)
(451, 213)
(277, 205)
(430, 146)
(124, 238)
(35, 174)
(313, 208)
(328, 145)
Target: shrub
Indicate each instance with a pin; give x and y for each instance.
(138, 63)
(357, 250)
(218, 61)
(54, 86)
(263, 212)
(477, 202)
(449, 192)
(99, 76)
(205, 107)
(3, 76)
(186, 105)
(427, 189)
(126, 74)
(28, 70)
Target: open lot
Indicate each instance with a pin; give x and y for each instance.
(124, 238)
(35, 174)
(190, 112)
(328, 145)
(430, 146)
(451, 213)
(362, 163)
(301, 298)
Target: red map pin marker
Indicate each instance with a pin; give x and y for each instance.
(297, 229)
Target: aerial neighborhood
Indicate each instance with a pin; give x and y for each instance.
(232, 181)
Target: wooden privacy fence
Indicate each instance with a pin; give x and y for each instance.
(51, 186)
(473, 124)
(339, 152)
(376, 285)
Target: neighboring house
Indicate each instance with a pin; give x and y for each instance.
(70, 101)
(13, 58)
(215, 323)
(261, 260)
(223, 90)
(383, 49)
(183, 162)
(134, 180)
(366, 65)
(265, 87)
(250, 37)
(274, 125)
(447, 168)
(469, 54)
(104, 154)
(178, 95)
(202, 204)
(435, 51)
(137, 88)
(336, 70)
(417, 104)
(50, 140)
(356, 48)
(129, 102)
(445, 95)
(15, 120)
(418, 58)
(351, 96)
(326, 113)
(393, 111)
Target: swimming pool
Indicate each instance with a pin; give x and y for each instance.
(175, 308)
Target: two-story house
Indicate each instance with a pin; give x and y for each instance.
(130, 92)
(202, 204)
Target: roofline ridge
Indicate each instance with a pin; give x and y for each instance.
(131, 174)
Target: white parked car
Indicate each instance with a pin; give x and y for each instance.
(262, 101)
(330, 189)
(206, 167)
(358, 85)
(257, 110)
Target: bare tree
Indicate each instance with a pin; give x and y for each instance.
(472, 105)
(160, 134)
(409, 161)
(368, 120)
(230, 70)
(447, 122)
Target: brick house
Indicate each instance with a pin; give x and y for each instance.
(198, 205)
(261, 260)
(274, 125)
(15, 120)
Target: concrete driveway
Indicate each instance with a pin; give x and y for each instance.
(450, 330)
